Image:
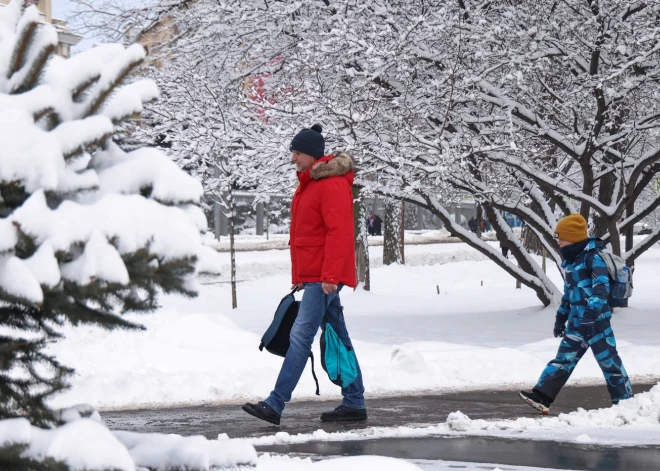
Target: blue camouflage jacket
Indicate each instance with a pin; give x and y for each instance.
(586, 286)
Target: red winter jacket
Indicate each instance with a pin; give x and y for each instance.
(322, 237)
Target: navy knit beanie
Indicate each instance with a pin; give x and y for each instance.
(310, 142)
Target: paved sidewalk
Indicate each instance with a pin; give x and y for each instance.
(303, 417)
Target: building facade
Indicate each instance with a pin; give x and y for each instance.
(66, 38)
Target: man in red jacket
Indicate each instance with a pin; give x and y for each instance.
(323, 261)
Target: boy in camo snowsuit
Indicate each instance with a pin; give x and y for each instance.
(584, 306)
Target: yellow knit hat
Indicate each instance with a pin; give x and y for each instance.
(572, 228)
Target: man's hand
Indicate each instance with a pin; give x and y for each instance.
(328, 287)
(298, 287)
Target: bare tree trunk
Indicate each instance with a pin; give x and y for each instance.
(480, 218)
(232, 248)
(260, 219)
(402, 233)
(392, 234)
(615, 240)
(543, 262)
(530, 241)
(605, 195)
(267, 219)
(217, 210)
(516, 249)
(629, 233)
(587, 187)
(361, 241)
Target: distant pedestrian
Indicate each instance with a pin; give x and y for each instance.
(504, 245)
(378, 225)
(584, 306)
(322, 244)
(472, 223)
(370, 224)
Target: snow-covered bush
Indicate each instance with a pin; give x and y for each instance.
(88, 232)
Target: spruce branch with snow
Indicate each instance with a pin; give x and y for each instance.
(89, 232)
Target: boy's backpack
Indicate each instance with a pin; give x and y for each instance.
(337, 358)
(276, 339)
(621, 282)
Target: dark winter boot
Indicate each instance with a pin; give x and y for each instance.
(344, 414)
(537, 400)
(263, 411)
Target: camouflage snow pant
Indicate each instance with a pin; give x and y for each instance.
(571, 350)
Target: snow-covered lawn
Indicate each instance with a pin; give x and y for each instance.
(408, 337)
(244, 242)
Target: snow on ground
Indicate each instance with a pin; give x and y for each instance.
(408, 338)
(246, 242)
(630, 422)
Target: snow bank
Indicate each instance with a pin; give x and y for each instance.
(172, 452)
(641, 411)
(630, 422)
(82, 444)
(87, 444)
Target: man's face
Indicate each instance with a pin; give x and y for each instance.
(302, 161)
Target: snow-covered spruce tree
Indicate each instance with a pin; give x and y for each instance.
(89, 232)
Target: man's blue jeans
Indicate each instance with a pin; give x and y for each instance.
(314, 308)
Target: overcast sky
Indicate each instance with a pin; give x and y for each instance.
(61, 10)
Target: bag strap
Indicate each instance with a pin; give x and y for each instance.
(318, 393)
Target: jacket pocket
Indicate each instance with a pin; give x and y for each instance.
(309, 256)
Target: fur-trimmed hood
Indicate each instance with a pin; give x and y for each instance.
(340, 164)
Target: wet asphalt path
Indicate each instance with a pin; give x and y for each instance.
(303, 417)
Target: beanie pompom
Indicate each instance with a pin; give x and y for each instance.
(317, 128)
